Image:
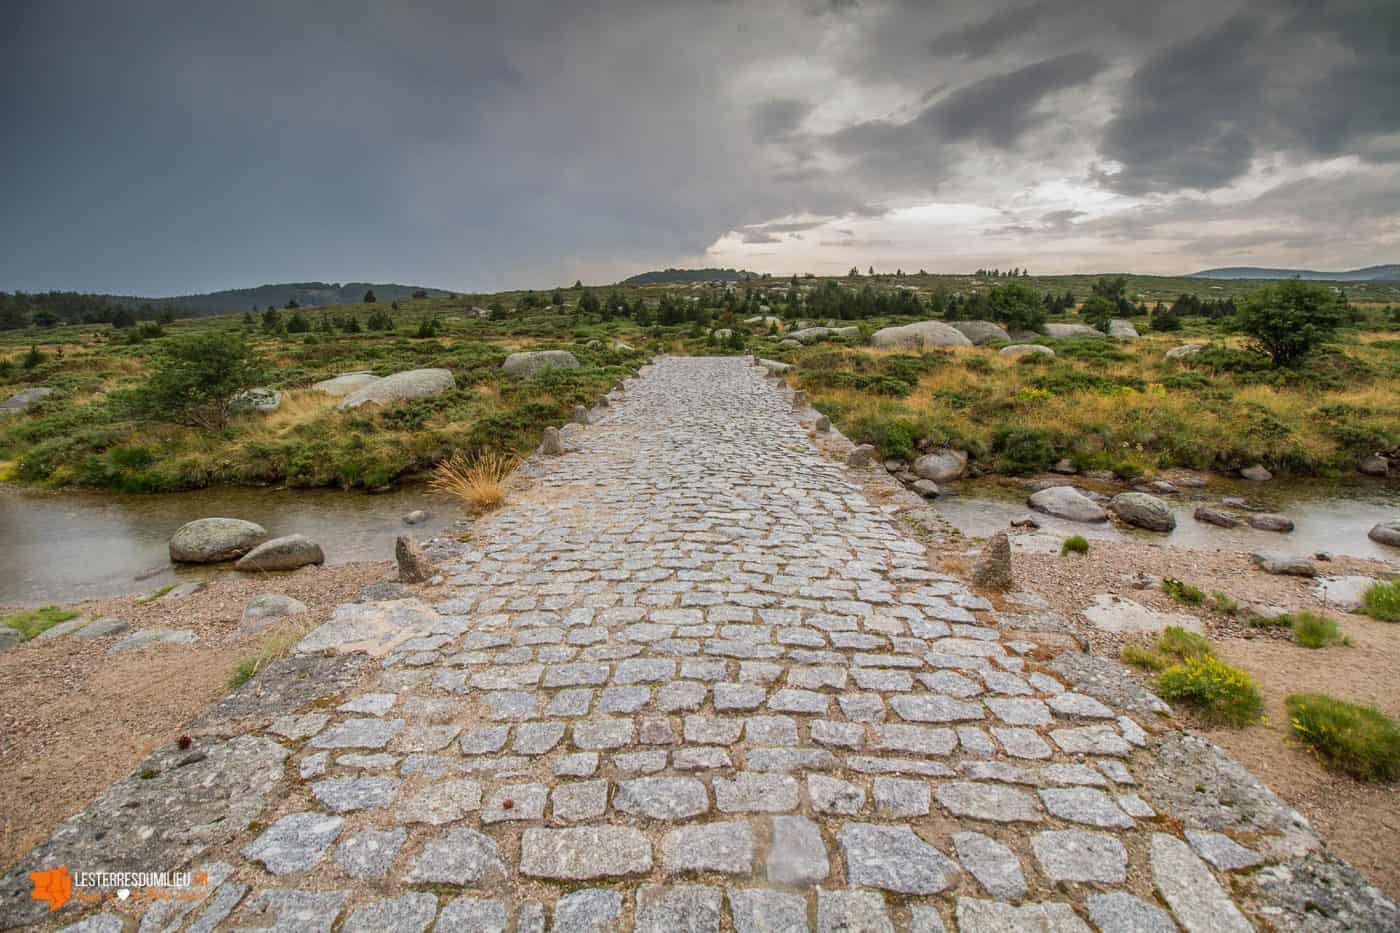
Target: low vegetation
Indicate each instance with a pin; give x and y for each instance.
(1357, 740)
(1074, 544)
(477, 479)
(1173, 646)
(31, 622)
(1219, 692)
(1183, 593)
(1314, 631)
(1382, 601)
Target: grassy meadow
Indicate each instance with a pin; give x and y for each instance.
(1104, 404)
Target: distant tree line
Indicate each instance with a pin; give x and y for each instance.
(50, 309)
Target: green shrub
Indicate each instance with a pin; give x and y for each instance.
(1290, 319)
(1074, 544)
(1314, 631)
(1182, 592)
(1357, 740)
(1220, 692)
(1021, 451)
(1280, 621)
(33, 621)
(1224, 603)
(1382, 601)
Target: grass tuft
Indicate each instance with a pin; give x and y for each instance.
(1173, 646)
(1074, 544)
(1357, 740)
(476, 479)
(1314, 631)
(275, 648)
(1382, 601)
(1183, 592)
(1220, 692)
(1224, 603)
(33, 621)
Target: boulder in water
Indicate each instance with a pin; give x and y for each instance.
(210, 540)
(1143, 511)
(1270, 521)
(942, 466)
(1213, 516)
(286, 553)
(1386, 533)
(1067, 502)
(414, 383)
(921, 334)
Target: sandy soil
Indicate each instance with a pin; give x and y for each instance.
(1350, 814)
(73, 719)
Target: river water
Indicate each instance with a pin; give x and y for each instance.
(1332, 517)
(61, 547)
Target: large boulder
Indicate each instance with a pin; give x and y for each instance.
(264, 610)
(1373, 465)
(1214, 516)
(1021, 349)
(1067, 502)
(530, 362)
(774, 367)
(1271, 521)
(981, 331)
(1123, 330)
(19, 403)
(1069, 330)
(1386, 533)
(345, 384)
(921, 334)
(286, 553)
(1284, 565)
(942, 466)
(1344, 593)
(809, 334)
(414, 383)
(210, 540)
(261, 400)
(1143, 511)
(1256, 473)
(1185, 350)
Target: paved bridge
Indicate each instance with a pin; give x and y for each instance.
(692, 678)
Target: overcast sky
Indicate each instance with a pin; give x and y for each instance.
(173, 147)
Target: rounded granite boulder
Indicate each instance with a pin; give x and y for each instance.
(210, 540)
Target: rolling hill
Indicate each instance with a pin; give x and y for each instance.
(1389, 273)
(690, 275)
(306, 294)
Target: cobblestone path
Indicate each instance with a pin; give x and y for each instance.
(693, 679)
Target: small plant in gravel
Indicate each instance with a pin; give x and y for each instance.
(33, 621)
(1279, 621)
(1314, 631)
(1382, 601)
(1182, 592)
(1074, 544)
(1220, 692)
(1173, 646)
(1357, 740)
(1224, 603)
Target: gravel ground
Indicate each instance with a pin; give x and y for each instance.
(74, 719)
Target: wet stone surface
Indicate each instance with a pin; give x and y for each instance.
(690, 677)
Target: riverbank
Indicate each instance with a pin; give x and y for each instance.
(74, 718)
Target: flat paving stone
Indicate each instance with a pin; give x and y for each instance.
(370, 852)
(585, 852)
(893, 858)
(662, 798)
(852, 912)
(407, 913)
(1085, 805)
(295, 842)
(994, 865)
(760, 910)
(1120, 912)
(666, 909)
(1187, 885)
(797, 854)
(1076, 855)
(724, 847)
(989, 802)
(461, 857)
(587, 911)
(756, 793)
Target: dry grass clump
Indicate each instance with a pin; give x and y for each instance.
(476, 479)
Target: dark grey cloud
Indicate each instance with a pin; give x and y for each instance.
(154, 146)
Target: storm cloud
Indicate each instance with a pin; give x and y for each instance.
(155, 147)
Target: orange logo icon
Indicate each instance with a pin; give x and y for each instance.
(53, 886)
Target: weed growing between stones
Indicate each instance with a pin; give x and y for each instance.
(1074, 544)
(1382, 601)
(1357, 740)
(1220, 692)
(33, 621)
